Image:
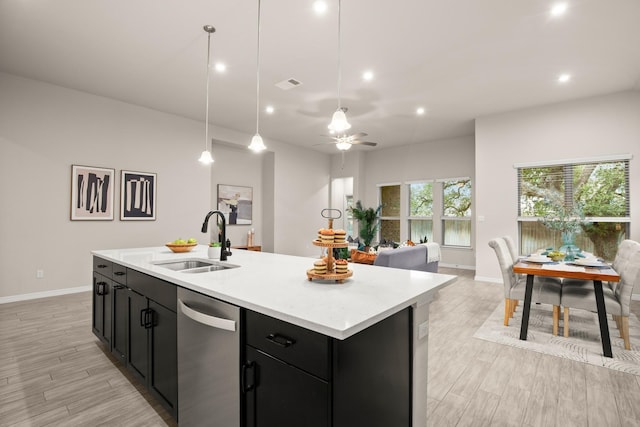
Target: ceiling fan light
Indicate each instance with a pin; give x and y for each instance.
(343, 145)
(257, 145)
(339, 121)
(205, 158)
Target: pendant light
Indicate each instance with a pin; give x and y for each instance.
(205, 157)
(257, 144)
(339, 121)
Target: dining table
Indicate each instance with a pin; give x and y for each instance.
(568, 270)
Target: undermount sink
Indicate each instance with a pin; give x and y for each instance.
(195, 265)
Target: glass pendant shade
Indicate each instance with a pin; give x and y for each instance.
(344, 146)
(339, 121)
(205, 157)
(257, 144)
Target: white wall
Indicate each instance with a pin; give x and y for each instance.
(44, 129)
(449, 158)
(586, 128)
(301, 192)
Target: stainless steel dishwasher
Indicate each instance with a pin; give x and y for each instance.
(208, 361)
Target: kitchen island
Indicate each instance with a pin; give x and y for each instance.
(373, 315)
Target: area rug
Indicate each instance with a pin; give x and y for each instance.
(582, 345)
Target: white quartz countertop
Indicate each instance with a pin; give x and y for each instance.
(277, 286)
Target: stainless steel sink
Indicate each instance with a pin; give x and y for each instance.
(195, 265)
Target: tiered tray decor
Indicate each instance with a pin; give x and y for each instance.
(331, 274)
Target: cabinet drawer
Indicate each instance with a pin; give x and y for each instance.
(120, 274)
(292, 344)
(102, 266)
(162, 292)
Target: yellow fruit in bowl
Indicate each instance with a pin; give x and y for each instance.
(556, 255)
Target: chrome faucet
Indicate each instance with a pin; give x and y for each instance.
(225, 252)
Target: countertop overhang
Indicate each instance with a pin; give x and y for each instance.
(276, 285)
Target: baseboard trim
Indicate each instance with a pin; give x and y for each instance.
(487, 279)
(45, 294)
(461, 267)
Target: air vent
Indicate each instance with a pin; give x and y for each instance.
(288, 84)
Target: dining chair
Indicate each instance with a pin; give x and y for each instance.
(545, 290)
(513, 249)
(617, 299)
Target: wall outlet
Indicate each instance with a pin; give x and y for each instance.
(39, 274)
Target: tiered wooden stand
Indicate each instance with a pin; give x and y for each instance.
(330, 274)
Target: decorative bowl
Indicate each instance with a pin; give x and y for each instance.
(556, 256)
(181, 248)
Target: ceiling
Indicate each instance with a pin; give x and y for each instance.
(458, 59)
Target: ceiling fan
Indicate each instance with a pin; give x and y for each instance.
(344, 142)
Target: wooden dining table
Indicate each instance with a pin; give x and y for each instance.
(568, 271)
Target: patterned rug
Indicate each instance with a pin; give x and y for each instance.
(582, 345)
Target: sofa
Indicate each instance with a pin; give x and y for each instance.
(422, 257)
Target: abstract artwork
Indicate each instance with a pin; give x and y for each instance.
(91, 193)
(137, 196)
(236, 203)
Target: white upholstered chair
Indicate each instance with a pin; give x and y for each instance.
(513, 249)
(617, 297)
(545, 290)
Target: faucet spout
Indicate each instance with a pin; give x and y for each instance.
(225, 252)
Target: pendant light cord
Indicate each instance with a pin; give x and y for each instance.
(258, 75)
(339, 53)
(206, 119)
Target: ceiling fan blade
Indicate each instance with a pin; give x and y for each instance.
(357, 135)
(326, 143)
(371, 144)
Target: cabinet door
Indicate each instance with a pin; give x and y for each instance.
(138, 347)
(120, 322)
(102, 307)
(282, 395)
(163, 376)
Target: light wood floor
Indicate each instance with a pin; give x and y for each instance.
(53, 371)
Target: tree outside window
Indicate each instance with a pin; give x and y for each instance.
(456, 217)
(599, 190)
(421, 212)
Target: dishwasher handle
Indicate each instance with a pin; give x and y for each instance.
(205, 319)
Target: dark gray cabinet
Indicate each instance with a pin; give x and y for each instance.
(101, 300)
(135, 315)
(120, 313)
(152, 344)
(292, 376)
(285, 377)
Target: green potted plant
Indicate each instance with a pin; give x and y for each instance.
(214, 250)
(368, 222)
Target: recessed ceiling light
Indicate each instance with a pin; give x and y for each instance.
(320, 7)
(269, 109)
(558, 9)
(367, 75)
(221, 67)
(420, 111)
(564, 78)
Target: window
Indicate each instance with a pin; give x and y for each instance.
(390, 213)
(595, 191)
(421, 212)
(456, 212)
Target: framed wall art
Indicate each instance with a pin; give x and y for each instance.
(236, 202)
(137, 196)
(92, 193)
